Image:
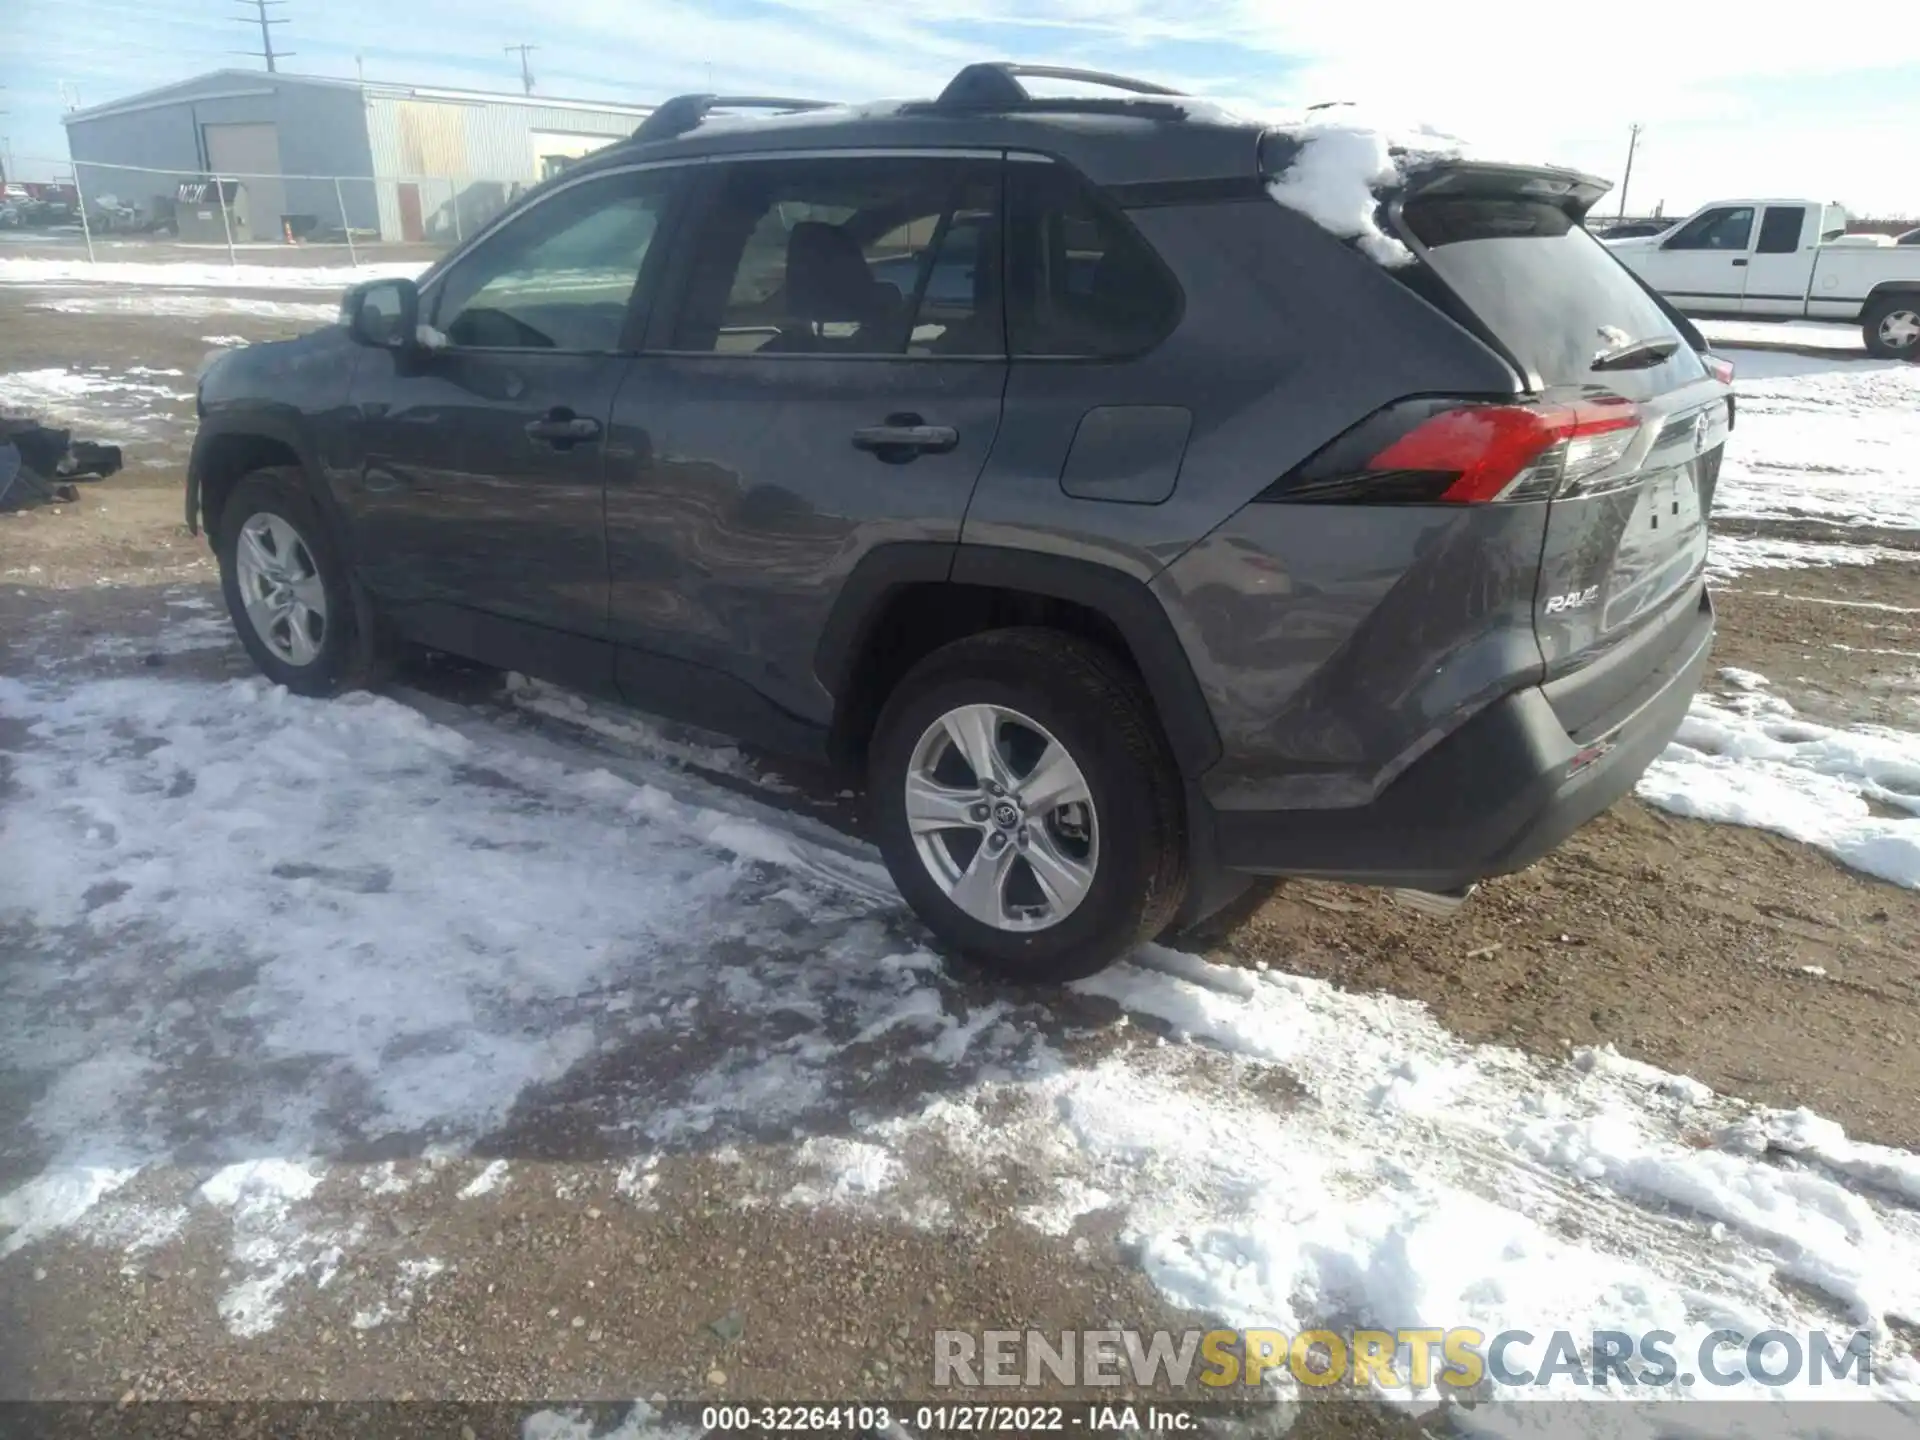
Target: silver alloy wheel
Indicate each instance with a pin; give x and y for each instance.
(1002, 818)
(1900, 329)
(280, 586)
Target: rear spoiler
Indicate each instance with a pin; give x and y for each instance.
(1572, 190)
(1432, 174)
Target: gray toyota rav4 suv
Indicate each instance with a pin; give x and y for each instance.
(1133, 533)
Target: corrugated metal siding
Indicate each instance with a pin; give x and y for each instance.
(322, 131)
(165, 136)
(464, 156)
(495, 152)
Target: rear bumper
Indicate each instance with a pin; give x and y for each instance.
(1493, 797)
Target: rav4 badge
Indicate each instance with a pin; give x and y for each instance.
(1573, 600)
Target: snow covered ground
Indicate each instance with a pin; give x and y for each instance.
(1814, 334)
(187, 304)
(191, 289)
(1836, 443)
(1833, 441)
(268, 934)
(126, 406)
(1746, 758)
(194, 274)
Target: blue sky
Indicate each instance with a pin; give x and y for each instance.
(1733, 103)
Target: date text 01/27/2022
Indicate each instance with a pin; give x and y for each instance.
(961, 1419)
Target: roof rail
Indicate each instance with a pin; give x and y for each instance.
(995, 84)
(683, 112)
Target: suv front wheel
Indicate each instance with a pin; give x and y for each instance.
(1026, 804)
(288, 591)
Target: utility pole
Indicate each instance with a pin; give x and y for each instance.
(526, 74)
(1633, 142)
(266, 50)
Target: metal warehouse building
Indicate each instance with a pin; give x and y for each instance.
(417, 162)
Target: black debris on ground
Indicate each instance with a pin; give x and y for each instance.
(40, 464)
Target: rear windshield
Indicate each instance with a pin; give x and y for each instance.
(1549, 290)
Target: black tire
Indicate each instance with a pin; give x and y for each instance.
(1877, 314)
(353, 649)
(1097, 708)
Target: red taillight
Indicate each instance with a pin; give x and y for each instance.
(1721, 370)
(1514, 452)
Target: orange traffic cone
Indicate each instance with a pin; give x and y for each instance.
(286, 229)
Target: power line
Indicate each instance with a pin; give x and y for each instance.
(266, 51)
(526, 75)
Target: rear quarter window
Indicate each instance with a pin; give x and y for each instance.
(1082, 283)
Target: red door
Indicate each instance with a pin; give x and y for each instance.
(412, 227)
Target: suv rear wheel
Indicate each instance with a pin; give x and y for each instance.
(288, 591)
(1027, 805)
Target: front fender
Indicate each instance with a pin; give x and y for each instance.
(246, 437)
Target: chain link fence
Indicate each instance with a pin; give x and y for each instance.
(262, 219)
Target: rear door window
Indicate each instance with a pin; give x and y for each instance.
(1780, 230)
(1081, 282)
(1552, 293)
(856, 255)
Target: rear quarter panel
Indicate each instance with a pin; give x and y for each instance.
(1844, 276)
(1337, 644)
(1286, 338)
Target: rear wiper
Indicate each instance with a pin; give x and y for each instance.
(1636, 355)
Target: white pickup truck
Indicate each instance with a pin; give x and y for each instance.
(1777, 259)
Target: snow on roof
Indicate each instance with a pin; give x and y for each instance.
(1345, 160)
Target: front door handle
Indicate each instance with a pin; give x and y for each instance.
(1738, 263)
(562, 429)
(904, 437)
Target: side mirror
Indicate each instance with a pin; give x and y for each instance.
(384, 314)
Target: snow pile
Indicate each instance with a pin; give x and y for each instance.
(1342, 166)
(198, 274)
(269, 1244)
(53, 1200)
(486, 1182)
(1748, 759)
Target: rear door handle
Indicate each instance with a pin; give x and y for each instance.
(904, 437)
(562, 429)
(1738, 263)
